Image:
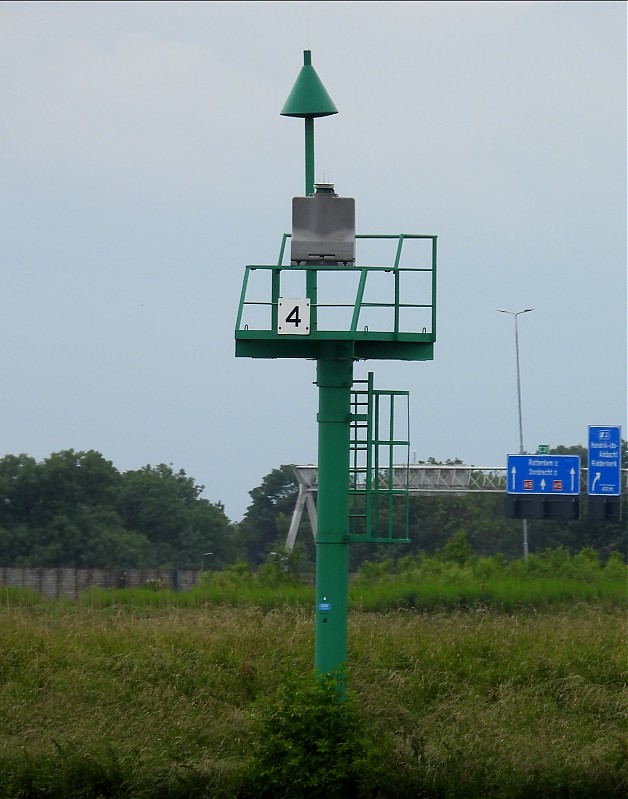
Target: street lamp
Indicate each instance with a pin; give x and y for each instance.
(515, 314)
(205, 554)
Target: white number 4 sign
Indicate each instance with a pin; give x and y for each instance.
(293, 317)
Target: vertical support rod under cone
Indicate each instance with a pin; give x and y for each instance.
(309, 139)
(334, 378)
(309, 156)
(311, 281)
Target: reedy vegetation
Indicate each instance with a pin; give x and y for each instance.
(151, 693)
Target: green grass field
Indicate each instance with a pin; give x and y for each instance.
(160, 695)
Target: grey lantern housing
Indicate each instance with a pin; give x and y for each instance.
(323, 228)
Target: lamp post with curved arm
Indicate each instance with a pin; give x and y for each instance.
(515, 314)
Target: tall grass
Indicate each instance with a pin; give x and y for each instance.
(460, 581)
(472, 678)
(132, 700)
(505, 594)
(549, 580)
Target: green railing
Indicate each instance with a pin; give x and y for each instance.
(346, 304)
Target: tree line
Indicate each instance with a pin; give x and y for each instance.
(75, 509)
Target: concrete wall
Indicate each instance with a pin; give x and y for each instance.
(69, 582)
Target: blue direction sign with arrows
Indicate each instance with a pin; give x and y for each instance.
(544, 474)
(604, 461)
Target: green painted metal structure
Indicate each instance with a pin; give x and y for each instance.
(384, 329)
(355, 312)
(379, 488)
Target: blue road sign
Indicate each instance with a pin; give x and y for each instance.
(543, 474)
(604, 460)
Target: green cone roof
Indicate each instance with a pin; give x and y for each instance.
(308, 98)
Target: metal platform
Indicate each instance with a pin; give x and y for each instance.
(381, 312)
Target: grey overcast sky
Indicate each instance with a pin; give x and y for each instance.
(144, 162)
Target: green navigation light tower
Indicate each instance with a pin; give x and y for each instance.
(323, 306)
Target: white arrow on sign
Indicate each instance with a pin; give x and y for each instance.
(595, 479)
(572, 473)
(543, 484)
(513, 472)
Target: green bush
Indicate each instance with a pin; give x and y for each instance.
(311, 742)
(457, 549)
(371, 572)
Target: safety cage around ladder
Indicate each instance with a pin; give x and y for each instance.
(379, 488)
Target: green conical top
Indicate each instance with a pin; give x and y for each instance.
(308, 97)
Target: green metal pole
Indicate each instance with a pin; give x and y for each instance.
(334, 378)
(309, 139)
(309, 156)
(311, 278)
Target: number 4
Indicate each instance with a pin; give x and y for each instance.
(294, 317)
